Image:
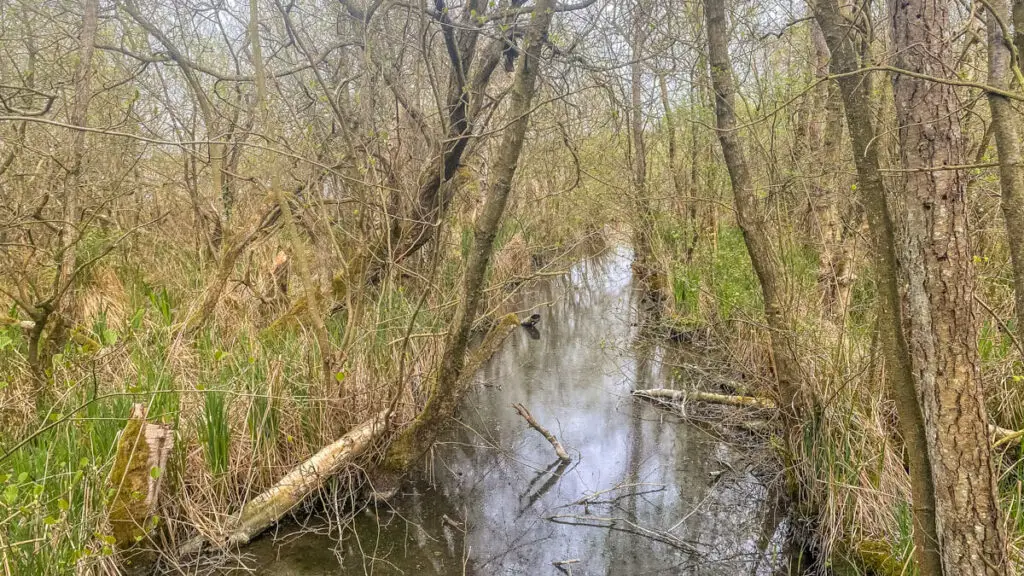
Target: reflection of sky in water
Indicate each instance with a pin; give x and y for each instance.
(500, 482)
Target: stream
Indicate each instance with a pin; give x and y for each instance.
(646, 491)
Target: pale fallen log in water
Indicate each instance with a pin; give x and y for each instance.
(265, 510)
(679, 395)
(270, 506)
(1000, 436)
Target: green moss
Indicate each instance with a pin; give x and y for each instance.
(866, 557)
(411, 442)
(127, 512)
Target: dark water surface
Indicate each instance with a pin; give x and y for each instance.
(497, 501)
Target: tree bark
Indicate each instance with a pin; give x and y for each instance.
(1018, 27)
(419, 436)
(1011, 173)
(58, 310)
(824, 133)
(750, 219)
(856, 94)
(647, 272)
(935, 268)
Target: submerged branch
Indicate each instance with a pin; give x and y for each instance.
(559, 450)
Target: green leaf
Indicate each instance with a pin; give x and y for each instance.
(11, 494)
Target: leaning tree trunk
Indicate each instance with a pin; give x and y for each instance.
(418, 437)
(751, 220)
(934, 264)
(1011, 173)
(856, 93)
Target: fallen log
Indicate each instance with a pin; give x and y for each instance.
(679, 395)
(1000, 435)
(269, 507)
(559, 450)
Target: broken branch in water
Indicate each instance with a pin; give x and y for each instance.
(623, 525)
(1000, 436)
(562, 454)
(565, 565)
(742, 401)
(645, 488)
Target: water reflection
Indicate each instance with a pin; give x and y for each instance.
(645, 493)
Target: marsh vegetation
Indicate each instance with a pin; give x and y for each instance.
(257, 258)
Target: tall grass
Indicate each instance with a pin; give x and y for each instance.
(854, 490)
(243, 395)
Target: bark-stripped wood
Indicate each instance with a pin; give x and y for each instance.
(559, 450)
(725, 399)
(266, 509)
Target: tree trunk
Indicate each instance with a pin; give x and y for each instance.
(58, 311)
(935, 268)
(418, 437)
(856, 94)
(417, 223)
(1011, 173)
(647, 272)
(824, 134)
(751, 221)
(1018, 27)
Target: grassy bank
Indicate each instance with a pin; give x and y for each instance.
(244, 395)
(851, 506)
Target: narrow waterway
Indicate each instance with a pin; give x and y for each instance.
(646, 493)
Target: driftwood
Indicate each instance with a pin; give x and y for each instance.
(562, 454)
(1000, 436)
(267, 508)
(677, 395)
